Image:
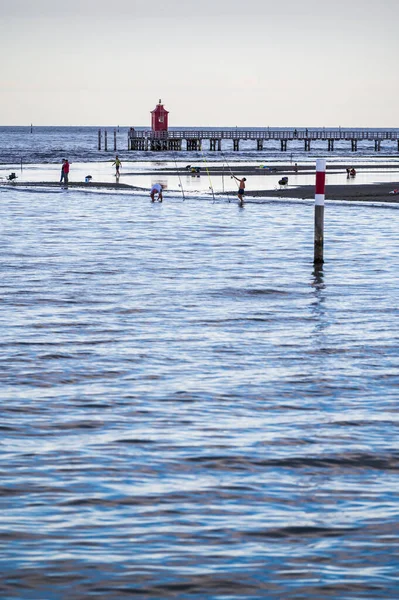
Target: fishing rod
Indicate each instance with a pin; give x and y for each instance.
(228, 166)
(225, 159)
(178, 174)
(209, 175)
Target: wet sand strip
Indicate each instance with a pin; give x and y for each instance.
(75, 184)
(348, 191)
(358, 192)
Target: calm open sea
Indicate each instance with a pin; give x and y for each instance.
(80, 144)
(188, 409)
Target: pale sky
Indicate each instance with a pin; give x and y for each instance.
(215, 62)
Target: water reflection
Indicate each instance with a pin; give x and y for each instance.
(318, 303)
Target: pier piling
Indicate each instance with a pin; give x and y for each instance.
(114, 139)
(319, 211)
(105, 140)
(99, 139)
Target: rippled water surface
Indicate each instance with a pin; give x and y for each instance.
(188, 408)
(80, 144)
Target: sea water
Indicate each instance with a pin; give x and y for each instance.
(80, 144)
(189, 409)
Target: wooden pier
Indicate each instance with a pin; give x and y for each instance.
(195, 139)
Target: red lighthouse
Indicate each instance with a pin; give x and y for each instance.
(159, 118)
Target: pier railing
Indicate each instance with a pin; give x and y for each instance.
(146, 139)
(265, 134)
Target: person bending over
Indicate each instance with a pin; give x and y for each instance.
(156, 190)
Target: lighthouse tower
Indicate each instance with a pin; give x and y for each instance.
(159, 118)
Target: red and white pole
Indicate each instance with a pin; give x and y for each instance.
(319, 210)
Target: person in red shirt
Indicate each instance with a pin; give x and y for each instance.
(65, 172)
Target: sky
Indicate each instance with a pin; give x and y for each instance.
(254, 63)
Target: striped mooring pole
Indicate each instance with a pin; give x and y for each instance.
(319, 211)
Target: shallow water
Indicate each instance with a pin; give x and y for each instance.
(144, 174)
(188, 408)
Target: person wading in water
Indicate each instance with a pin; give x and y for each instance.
(241, 189)
(117, 164)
